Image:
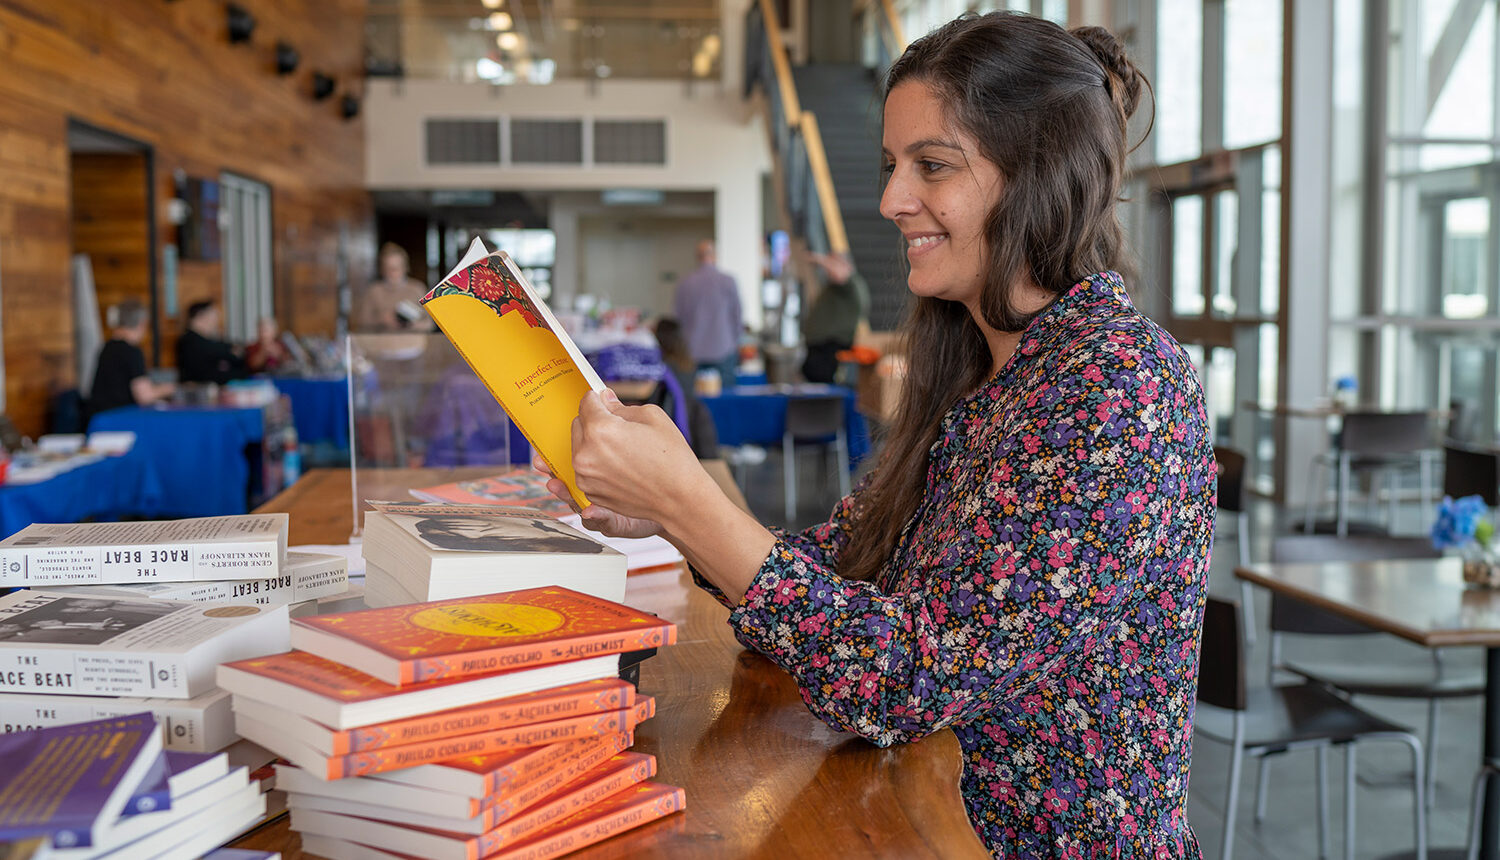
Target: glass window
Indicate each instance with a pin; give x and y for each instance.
(1465, 103)
(1252, 72)
(1226, 251)
(1465, 281)
(1187, 256)
(1179, 80)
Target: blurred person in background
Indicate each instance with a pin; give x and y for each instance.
(707, 306)
(834, 317)
(267, 354)
(201, 355)
(120, 377)
(393, 303)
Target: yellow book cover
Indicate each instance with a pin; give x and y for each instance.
(525, 358)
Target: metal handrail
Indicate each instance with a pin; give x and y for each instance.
(811, 199)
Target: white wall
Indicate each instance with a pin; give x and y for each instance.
(714, 143)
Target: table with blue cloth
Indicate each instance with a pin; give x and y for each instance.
(199, 452)
(756, 415)
(320, 408)
(122, 485)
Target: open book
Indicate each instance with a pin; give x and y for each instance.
(511, 339)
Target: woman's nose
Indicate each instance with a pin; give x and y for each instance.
(897, 200)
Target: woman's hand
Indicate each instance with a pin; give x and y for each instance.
(602, 520)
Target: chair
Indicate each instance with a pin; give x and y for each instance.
(1231, 500)
(1373, 441)
(813, 420)
(1269, 720)
(1470, 470)
(1433, 681)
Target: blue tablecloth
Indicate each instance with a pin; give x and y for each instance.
(756, 415)
(320, 408)
(108, 489)
(198, 452)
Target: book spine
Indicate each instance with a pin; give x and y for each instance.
(586, 833)
(541, 760)
(563, 651)
(186, 727)
(159, 562)
(472, 720)
(68, 672)
(634, 768)
(410, 755)
(317, 581)
(564, 771)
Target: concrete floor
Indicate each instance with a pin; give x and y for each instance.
(1289, 831)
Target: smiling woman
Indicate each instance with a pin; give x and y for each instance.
(1027, 563)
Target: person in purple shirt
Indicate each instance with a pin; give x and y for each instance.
(708, 307)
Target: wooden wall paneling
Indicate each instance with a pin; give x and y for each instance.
(164, 74)
(110, 224)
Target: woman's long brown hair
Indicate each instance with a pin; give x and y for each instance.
(1049, 107)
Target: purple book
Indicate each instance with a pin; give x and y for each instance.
(72, 782)
(154, 793)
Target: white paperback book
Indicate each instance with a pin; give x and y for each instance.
(223, 787)
(245, 546)
(438, 551)
(201, 724)
(58, 644)
(306, 576)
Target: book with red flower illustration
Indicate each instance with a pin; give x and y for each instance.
(634, 807)
(510, 338)
(465, 636)
(518, 486)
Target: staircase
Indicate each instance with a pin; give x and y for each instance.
(847, 104)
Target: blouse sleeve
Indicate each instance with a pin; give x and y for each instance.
(1036, 570)
(819, 544)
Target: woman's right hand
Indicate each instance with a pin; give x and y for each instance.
(599, 519)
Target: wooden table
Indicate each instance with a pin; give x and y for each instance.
(1422, 601)
(764, 778)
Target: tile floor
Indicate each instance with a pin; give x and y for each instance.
(1289, 831)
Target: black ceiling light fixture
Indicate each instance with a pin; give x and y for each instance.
(239, 21)
(349, 106)
(287, 58)
(322, 86)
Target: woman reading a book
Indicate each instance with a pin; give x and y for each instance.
(1027, 563)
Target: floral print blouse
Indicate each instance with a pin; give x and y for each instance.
(1045, 600)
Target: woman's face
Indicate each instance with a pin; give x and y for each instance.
(939, 190)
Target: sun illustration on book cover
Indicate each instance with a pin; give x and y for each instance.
(497, 620)
(488, 281)
(395, 632)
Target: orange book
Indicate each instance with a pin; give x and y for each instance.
(343, 698)
(466, 636)
(616, 775)
(634, 807)
(574, 700)
(486, 776)
(410, 755)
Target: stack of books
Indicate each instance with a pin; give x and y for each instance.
(488, 726)
(417, 552)
(66, 659)
(134, 617)
(107, 788)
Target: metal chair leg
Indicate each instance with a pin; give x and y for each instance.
(1476, 809)
(1231, 803)
(1349, 793)
(1323, 841)
(1432, 736)
(789, 478)
(1419, 785)
(1342, 526)
(1247, 598)
(1261, 782)
(1310, 515)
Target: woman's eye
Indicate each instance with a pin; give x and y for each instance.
(887, 168)
(929, 166)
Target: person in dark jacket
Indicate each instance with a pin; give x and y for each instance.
(201, 356)
(120, 374)
(834, 316)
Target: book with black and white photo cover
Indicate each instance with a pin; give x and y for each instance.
(58, 644)
(438, 551)
(198, 725)
(244, 546)
(306, 576)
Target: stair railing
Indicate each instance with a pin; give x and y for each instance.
(880, 17)
(811, 202)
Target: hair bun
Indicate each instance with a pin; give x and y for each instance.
(1124, 79)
